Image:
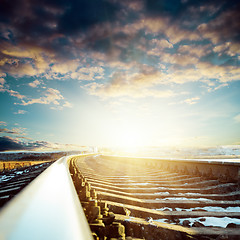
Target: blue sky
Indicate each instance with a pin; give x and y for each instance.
(119, 73)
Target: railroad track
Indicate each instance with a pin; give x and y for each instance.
(13, 181)
(47, 208)
(161, 199)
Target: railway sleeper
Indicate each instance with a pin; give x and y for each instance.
(141, 180)
(102, 222)
(135, 211)
(164, 203)
(152, 230)
(140, 221)
(220, 188)
(156, 184)
(235, 195)
(228, 196)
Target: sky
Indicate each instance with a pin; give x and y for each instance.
(119, 73)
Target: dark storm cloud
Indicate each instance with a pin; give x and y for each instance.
(166, 7)
(191, 13)
(176, 8)
(53, 25)
(225, 27)
(80, 15)
(35, 35)
(8, 143)
(44, 18)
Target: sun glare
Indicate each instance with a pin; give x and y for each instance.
(128, 138)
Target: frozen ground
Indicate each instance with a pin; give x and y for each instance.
(209, 209)
(219, 152)
(212, 221)
(207, 221)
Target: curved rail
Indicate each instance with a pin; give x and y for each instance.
(48, 208)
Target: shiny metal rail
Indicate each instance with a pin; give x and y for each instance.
(48, 208)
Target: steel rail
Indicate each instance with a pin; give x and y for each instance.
(48, 208)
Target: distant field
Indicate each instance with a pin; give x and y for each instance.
(8, 165)
(12, 160)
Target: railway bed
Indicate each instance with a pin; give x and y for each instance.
(162, 199)
(13, 181)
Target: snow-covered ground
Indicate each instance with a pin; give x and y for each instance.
(228, 151)
(212, 221)
(207, 221)
(207, 208)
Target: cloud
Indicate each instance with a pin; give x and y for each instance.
(34, 84)
(237, 118)
(163, 43)
(136, 85)
(88, 73)
(74, 20)
(60, 107)
(24, 59)
(51, 96)
(14, 131)
(177, 34)
(162, 25)
(179, 59)
(8, 143)
(63, 68)
(204, 72)
(20, 112)
(223, 73)
(191, 101)
(229, 48)
(13, 93)
(135, 5)
(96, 32)
(225, 27)
(221, 86)
(159, 25)
(112, 91)
(67, 104)
(2, 81)
(194, 50)
(2, 74)
(3, 123)
(89, 40)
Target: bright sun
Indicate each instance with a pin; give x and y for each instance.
(128, 138)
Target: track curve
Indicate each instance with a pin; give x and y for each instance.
(153, 202)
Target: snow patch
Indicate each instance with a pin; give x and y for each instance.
(184, 198)
(211, 209)
(213, 221)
